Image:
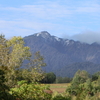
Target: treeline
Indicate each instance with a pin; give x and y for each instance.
(51, 78)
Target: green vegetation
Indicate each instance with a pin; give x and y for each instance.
(49, 78)
(17, 83)
(63, 80)
(30, 91)
(4, 90)
(83, 87)
(26, 84)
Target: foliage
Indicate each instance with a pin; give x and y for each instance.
(37, 61)
(49, 78)
(84, 90)
(4, 90)
(63, 80)
(3, 52)
(12, 54)
(30, 91)
(61, 97)
(18, 52)
(95, 76)
(80, 77)
(33, 71)
(30, 75)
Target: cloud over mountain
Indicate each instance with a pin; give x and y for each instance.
(88, 37)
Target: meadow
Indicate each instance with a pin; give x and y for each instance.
(60, 88)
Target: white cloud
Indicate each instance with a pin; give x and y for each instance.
(55, 10)
(52, 16)
(88, 37)
(49, 11)
(23, 27)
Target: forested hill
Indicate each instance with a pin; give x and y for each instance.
(63, 56)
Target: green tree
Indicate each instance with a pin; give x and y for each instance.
(4, 90)
(95, 76)
(33, 71)
(80, 77)
(12, 54)
(4, 51)
(18, 52)
(49, 78)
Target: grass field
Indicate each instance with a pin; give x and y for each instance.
(60, 88)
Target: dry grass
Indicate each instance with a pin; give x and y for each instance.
(60, 88)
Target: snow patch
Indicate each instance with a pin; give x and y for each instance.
(67, 42)
(57, 38)
(43, 34)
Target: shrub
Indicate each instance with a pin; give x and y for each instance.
(4, 89)
(30, 91)
(61, 97)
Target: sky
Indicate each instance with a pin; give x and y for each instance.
(72, 19)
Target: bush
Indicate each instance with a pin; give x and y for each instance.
(4, 90)
(61, 97)
(86, 91)
(30, 91)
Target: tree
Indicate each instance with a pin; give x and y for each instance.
(95, 76)
(49, 78)
(80, 77)
(33, 71)
(12, 54)
(18, 52)
(4, 50)
(4, 89)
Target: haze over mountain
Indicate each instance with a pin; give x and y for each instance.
(87, 37)
(63, 56)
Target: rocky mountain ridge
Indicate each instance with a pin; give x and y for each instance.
(60, 53)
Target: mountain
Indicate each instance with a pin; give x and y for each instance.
(63, 55)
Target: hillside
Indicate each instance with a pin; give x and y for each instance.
(63, 56)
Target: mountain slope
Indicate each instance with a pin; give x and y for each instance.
(60, 53)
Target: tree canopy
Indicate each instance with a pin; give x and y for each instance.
(12, 55)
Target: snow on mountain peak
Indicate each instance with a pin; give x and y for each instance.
(67, 42)
(58, 39)
(43, 34)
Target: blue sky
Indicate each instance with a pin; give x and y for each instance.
(74, 19)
